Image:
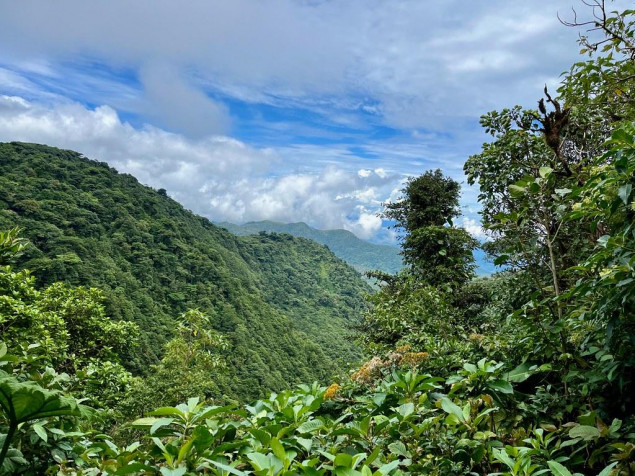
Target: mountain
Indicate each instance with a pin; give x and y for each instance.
(285, 304)
(360, 254)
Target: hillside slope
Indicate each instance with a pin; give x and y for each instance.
(276, 299)
(360, 254)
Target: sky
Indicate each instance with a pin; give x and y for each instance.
(286, 110)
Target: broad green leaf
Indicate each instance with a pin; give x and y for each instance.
(516, 191)
(557, 469)
(211, 411)
(625, 192)
(41, 432)
(585, 432)
(545, 171)
(259, 461)
(277, 449)
(134, 468)
(502, 456)
(343, 459)
(305, 443)
(229, 469)
(311, 426)
(607, 471)
(387, 468)
(167, 411)
(373, 456)
(173, 472)
(452, 408)
(262, 436)
(159, 423)
(406, 409)
(501, 386)
(344, 471)
(144, 422)
(25, 401)
(520, 373)
(399, 449)
(185, 449)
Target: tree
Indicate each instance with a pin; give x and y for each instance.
(437, 252)
(428, 200)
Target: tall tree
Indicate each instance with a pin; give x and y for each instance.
(437, 252)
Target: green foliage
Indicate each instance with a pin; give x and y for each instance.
(437, 254)
(428, 200)
(526, 373)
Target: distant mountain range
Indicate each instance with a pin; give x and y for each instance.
(361, 255)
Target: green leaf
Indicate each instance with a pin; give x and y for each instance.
(387, 468)
(134, 468)
(585, 432)
(167, 411)
(25, 401)
(625, 192)
(373, 456)
(159, 423)
(545, 171)
(229, 469)
(262, 436)
(501, 386)
(277, 449)
(406, 409)
(305, 443)
(607, 471)
(173, 472)
(516, 191)
(520, 373)
(399, 449)
(557, 469)
(259, 461)
(211, 411)
(41, 432)
(144, 422)
(343, 459)
(311, 426)
(451, 408)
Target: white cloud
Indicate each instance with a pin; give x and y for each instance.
(423, 64)
(173, 103)
(216, 176)
(474, 228)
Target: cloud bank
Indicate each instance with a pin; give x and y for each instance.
(218, 177)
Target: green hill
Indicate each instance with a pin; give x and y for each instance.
(285, 304)
(360, 254)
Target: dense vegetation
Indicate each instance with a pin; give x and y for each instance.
(527, 373)
(274, 299)
(360, 254)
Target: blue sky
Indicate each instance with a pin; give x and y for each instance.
(287, 110)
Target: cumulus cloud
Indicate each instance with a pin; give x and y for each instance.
(474, 228)
(216, 176)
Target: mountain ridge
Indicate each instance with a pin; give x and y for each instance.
(360, 254)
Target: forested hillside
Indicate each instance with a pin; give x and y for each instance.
(275, 299)
(360, 254)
